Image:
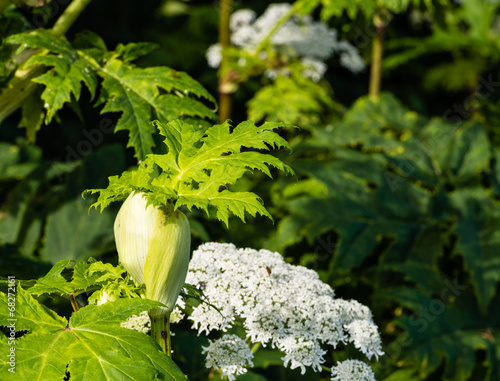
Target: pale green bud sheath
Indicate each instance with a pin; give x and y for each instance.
(167, 261)
(133, 230)
(153, 244)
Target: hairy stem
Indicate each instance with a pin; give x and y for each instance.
(225, 95)
(377, 55)
(69, 16)
(160, 331)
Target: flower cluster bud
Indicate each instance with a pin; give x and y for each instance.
(154, 244)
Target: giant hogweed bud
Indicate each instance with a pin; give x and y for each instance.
(153, 244)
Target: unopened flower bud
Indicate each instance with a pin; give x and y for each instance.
(153, 244)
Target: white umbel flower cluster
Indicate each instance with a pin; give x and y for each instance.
(141, 322)
(298, 38)
(281, 305)
(352, 370)
(230, 354)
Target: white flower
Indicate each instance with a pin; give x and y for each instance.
(287, 307)
(350, 58)
(299, 37)
(214, 55)
(364, 335)
(141, 322)
(177, 315)
(352, 370)
(302, 352)
(230, 354)
(241, 18)
(313, 69)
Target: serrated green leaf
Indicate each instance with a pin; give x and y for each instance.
(136, 93)
(92, 345)
(139, 94)
(479, 240)
(87, 274)
(132, 51)
(68, 69)
(53, 282)
(29, 314)
(295, 100)
(200, 166)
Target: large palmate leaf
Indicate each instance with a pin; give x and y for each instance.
(72, 232)
(453, 333)
(391, 176)
(56, 224)
(91, 345)
(138, 94)
(200, 166)
(479, 240)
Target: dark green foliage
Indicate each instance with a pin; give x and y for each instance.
(139, 94)
(394, 188)
(394, 208)
(45, 217)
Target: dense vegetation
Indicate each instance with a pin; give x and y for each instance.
(395, 202)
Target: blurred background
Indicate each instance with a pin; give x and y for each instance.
(396, 199)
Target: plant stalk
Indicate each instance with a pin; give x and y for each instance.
(160, 331)
(69, 16)
(225, 93)
(377, 55)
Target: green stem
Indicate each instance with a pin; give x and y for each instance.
(377, 55)
(160, 331)
(225, 97)
(255, 347)
(74, 304)
(325, 368)
(69, 16)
